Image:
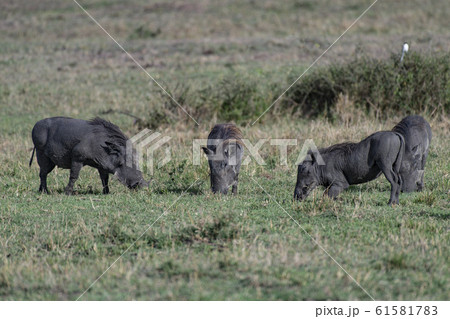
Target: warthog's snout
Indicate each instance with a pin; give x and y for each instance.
(140, 184)
(220, 190)
(413, 181)
(300, 194)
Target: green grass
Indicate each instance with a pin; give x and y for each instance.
(55, 61)
(220, 247)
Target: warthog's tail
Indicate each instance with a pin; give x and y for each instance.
(399, 159)
(32, 155)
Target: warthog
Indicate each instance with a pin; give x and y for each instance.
(224, 150)
(417, 134)
(353, 163)
(72, 143)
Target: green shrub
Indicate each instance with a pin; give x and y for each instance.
(418, 84)
(237, 98)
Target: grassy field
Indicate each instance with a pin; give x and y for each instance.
(55, 61)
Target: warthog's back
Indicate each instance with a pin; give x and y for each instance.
(357, 161)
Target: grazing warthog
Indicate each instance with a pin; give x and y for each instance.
(417, 134)
(72, 143)
(224, 150)
(353, 163)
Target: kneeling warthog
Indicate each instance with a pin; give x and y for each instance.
(353, 163)
(417, 134)
(72, 143)
(224, 150)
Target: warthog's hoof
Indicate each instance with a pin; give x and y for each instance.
(43, 190)
(392, 203)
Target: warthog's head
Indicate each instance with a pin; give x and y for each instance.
(412, 179)
(307, 177)
(411, 170)
(127, 171)
(131, 177)
(224, 163)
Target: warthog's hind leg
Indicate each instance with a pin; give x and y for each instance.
(393, 179)
(46, 166)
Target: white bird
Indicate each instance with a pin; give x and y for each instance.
(404, 50)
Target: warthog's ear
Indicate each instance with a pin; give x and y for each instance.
(207, 151)
(313, 157)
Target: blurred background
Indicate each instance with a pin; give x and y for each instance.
(220, 59)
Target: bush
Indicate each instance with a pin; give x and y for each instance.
(418, 84)
(237, 98)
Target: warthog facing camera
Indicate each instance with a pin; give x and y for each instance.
(72, 143)
(353, 163)
(224, 150)
(417, 134)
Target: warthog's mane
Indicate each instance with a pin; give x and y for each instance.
(113, 133)
(410, 122)
(344, 148)
(230, 133)
(402, 127)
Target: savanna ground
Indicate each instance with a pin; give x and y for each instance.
(55, 61)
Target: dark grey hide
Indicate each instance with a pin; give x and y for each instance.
(353, 163)
(72, 143)
(417, 134)
(224, 150)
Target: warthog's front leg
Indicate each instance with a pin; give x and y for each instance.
(74, 173)
(234, 188)
(400, 185)
(104, 175)
(334, 190)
